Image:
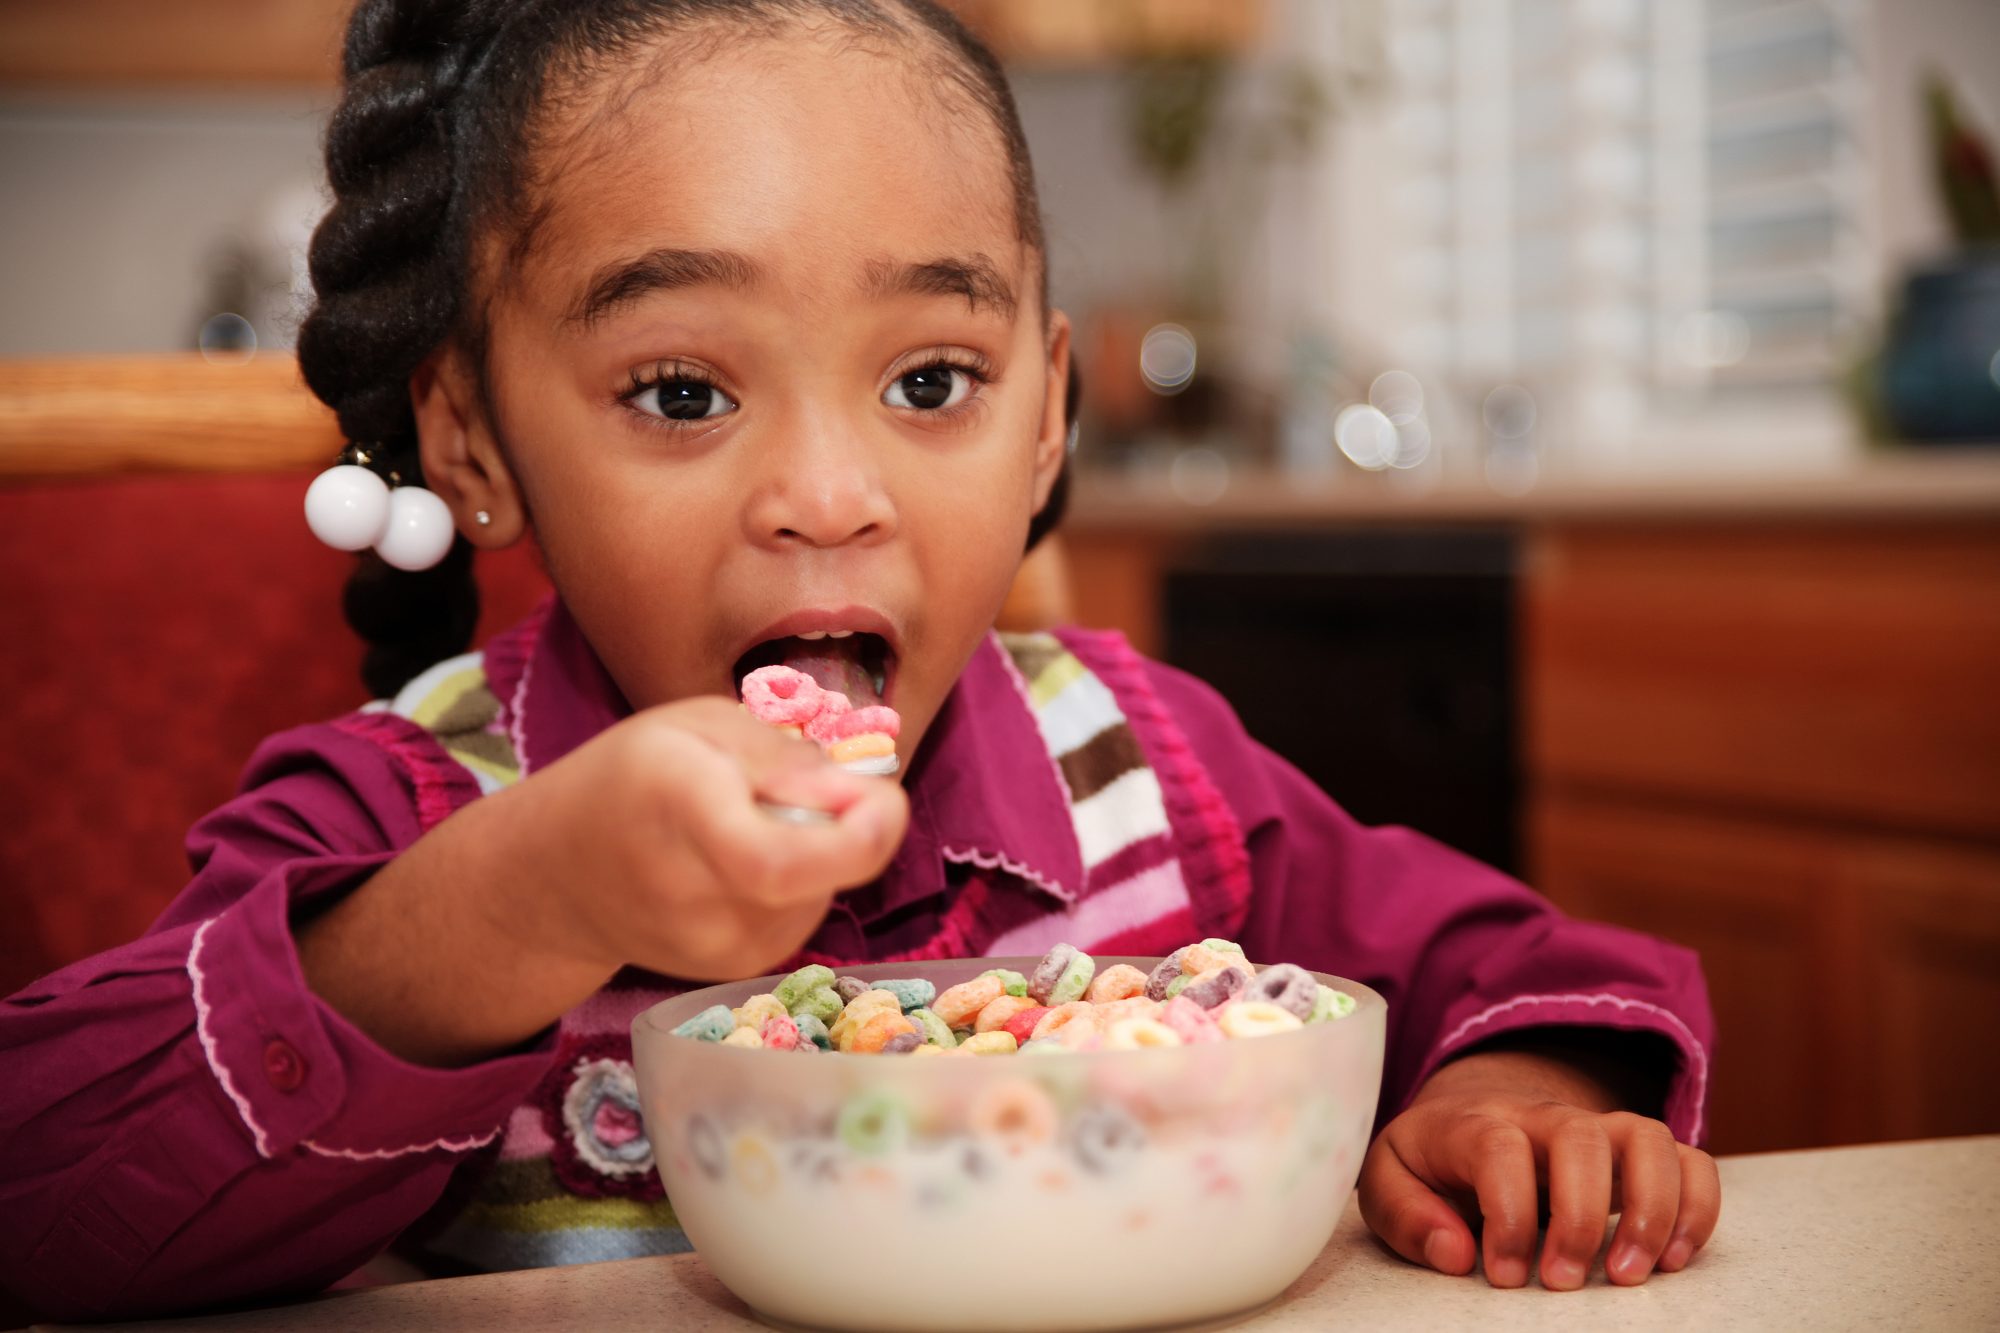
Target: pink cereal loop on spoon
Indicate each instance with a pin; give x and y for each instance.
(782, 696)
(833, 705)
(875, 719)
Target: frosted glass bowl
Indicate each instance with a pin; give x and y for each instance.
(1073, 1190)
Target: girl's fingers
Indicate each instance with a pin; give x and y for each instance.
(1580, 1163)
(775, 863)
(1496, 1158)
(1650, 1169)
(1408, 1214)
(1701, 1205)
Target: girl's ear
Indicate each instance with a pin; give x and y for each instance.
(1052, 445)
(461, 457)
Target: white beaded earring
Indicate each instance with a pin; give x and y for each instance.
(350, 507)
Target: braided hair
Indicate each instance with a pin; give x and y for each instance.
(431, 143)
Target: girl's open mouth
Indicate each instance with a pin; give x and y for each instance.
(855, 663)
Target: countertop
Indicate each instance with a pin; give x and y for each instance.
(1907, 481)
(1892, 1236)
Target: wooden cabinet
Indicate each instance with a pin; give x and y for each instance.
(1761, 723)
(1855, 976)
(1780, 745)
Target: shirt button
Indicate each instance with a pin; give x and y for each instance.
(285, 1067)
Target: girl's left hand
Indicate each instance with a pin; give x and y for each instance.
(1491, 1132)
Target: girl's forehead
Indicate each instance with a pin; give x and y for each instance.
(815, 167)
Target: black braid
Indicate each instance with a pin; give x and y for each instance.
(424, 148)
(387, 278)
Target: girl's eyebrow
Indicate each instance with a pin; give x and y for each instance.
(974, 277)
(626, 280)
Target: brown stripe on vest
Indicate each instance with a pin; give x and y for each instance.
(1033, 653)
(470, 711)
(483, 745)
(1101, 760)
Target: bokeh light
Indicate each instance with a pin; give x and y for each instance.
(1712, 338)
(1413, 444)
(1398, 395)
(1199, 476)
(227, 338)
(1366, 435)
(1509, 412)
(1167, 358)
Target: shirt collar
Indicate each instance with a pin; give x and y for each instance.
(983, 789)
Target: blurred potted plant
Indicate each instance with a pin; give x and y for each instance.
(1940, 367)
(1207, 130)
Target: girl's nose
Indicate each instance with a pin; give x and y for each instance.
(822, 488)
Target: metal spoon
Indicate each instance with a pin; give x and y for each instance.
(883, 767)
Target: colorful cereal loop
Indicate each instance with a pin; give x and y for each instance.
(1255, 1018)
(1063, 975)
(794, 989)
(1013, 981)
(812, 1032)
(1120, 981)
(936, 1031)
(1288, 986)
(1015, 1116)
(960, 1004)
(1194, 1023)
(1022, 1024)
(996, 1014)
(823, 1004)
(873, 1125)
(875, 1032)
(1135, 1034)
(758, 1010)
(1057, 1020)
(755, 1167)
(1166, 973)
(988, 1043)
(914, 993)
(1331, 1004)
(711, 1024)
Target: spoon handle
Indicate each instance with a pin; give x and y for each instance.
(800, 814)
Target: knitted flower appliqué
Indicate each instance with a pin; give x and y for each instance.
(590, 1108)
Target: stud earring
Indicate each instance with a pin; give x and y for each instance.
(482, 518)
(350, 508)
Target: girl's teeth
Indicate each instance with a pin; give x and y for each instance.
(813, 634)
(839, 633)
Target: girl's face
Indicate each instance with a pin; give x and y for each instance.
(775, 365)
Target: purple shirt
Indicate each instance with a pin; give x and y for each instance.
(183, 1121)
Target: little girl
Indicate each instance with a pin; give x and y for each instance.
(738, 308)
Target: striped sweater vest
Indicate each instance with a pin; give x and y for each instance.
(571, 1176)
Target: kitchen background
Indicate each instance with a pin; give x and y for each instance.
(1556, 424)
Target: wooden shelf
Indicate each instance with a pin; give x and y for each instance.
(1102, 32)
(175, 413)
(123, 44)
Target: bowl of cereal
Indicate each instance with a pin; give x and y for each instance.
(1018, 1144)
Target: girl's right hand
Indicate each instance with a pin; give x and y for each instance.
(660, 856)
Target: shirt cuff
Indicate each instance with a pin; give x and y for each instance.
(300, 1076)
(1687, 1093)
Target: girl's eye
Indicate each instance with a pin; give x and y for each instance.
(682, 400)
(930, 388)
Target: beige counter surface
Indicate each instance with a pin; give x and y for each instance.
(1935, 481)
(1897, 1236)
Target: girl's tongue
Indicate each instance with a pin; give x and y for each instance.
(857, 665)
(837, 665)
